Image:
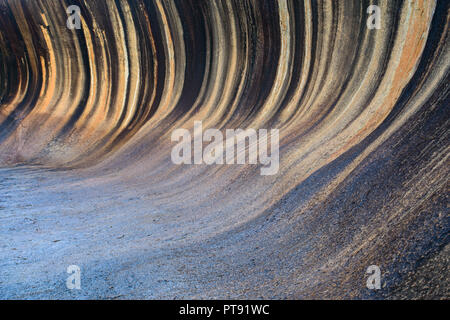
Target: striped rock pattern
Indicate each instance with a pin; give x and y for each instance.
(85, 141)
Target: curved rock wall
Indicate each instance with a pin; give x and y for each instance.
(363, 121)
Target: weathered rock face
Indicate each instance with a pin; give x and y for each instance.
(363, 122)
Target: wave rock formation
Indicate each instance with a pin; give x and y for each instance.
(86, 117)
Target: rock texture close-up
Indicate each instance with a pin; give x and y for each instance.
(87, 177)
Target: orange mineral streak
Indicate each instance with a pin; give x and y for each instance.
(411, 52)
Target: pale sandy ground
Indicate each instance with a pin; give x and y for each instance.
(127, 248)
